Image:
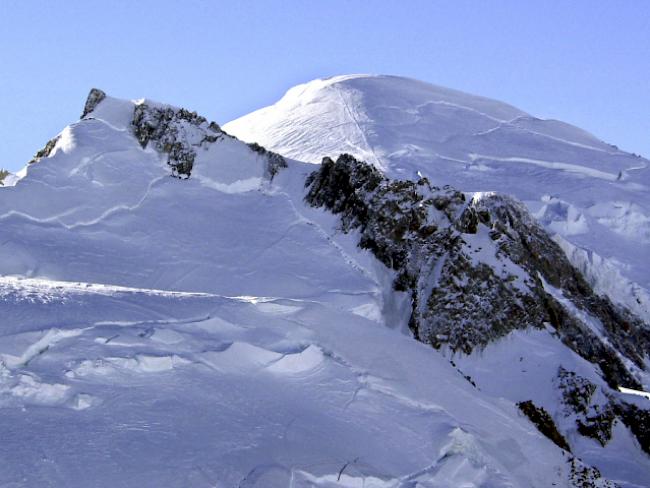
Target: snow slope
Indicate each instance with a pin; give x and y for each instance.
(136, 387)
(589, 193)
(216, 331)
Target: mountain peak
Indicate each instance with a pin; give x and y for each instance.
(352, 113)
(94, 98)
(412, 90)
(273, 306)
(407, 127)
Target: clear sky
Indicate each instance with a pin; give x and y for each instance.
(586, 62)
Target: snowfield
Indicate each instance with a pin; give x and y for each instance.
(148, 388)
(219, 332)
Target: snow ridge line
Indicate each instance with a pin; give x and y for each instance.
(510, 123)
(462, 107)
(56, 219)
(568, 167)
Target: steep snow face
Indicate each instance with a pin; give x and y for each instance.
(217, 331)
(594, 196)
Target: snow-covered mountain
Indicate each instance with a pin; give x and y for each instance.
(594, 197)
(181, 308)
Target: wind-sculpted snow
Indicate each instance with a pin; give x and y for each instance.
(591, 193)
(218, 331)
(247, 395)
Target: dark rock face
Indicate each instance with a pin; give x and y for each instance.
(46, 151)
(580, 475)
(94, 98)
(275, 160)
(577, 391)
(637, 420)
(178, 133)
(530, 246)
(583, 476)
(594, 417)
(544, 423)
(597, 424)
(476, 268)
(596, 412)
(167, 127)
(480, 267)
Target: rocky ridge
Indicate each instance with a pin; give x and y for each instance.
(179, 133)
(478, 267)
(174, 132)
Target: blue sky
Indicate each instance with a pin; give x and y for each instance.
(584, 62)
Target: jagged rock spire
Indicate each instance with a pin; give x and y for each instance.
(94, 98)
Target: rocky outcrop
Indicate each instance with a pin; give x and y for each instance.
(275, 161)
(529, 245)
(583, 476)
(476, 267)
(576, 391)
(178, 133)
(637, 420)
(590, 408)
(544, 423)
(595, 411)
(94, 98)
(46, 151)
(175, 132)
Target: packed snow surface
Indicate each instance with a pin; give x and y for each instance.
(593, 195)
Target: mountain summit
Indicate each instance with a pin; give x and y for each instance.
(182, 308)
(589, 194)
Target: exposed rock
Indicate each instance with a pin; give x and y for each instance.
(596, 418)
(178, 133)
(598, 423)
(175, 132)
(637, 420)
(477, 269)
(94, 98)
(544, 423)
(593, 419)
(46, 151)
(274, 160)
(583, 476)
(413, 228)
(3, 174)
(528, 244)
(576, 391)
